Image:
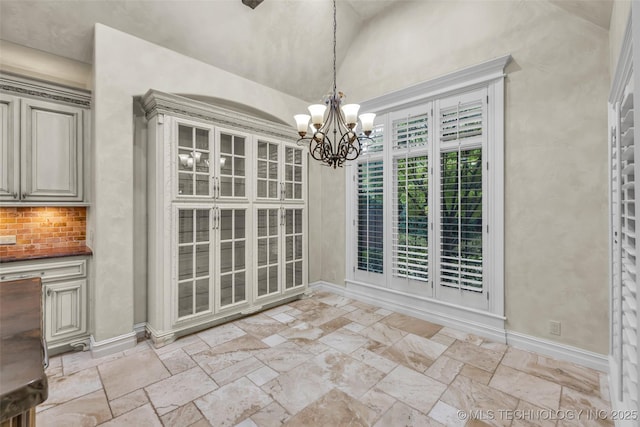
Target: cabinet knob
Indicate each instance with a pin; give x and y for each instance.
(48, 292)
(24, 195)
(15, 195)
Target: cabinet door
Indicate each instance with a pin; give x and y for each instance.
(293, 247)
(51, 137)
(267, 171)
(293, 163)
(232, 272)
(65, 310)
(194, 283)
(268, 250)
(232, 177)
(195, 153)
(9, 151)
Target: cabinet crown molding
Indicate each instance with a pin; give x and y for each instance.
(155, 102)
(21, 86)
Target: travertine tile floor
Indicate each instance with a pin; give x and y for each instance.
(323, 361)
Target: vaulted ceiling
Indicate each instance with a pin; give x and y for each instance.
(283, 44)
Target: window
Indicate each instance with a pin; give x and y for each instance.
(427, 200)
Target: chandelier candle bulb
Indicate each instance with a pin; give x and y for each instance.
(350, 113)
(367, 122)
(302, 121)
(317, 113)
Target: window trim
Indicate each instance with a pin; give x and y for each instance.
(489, 75)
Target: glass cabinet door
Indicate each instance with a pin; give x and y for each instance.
(268, 250)
(267, 171)
(232, 166)
(194, 156)
(293, 247)
(194, 275)
(293, 173)
(232, 256)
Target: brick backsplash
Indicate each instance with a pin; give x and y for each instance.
(38, 228)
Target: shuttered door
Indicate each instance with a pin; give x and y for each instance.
(616, 267)
(461, 199)
(410, 212)
(628, 291)
(410, 218)
(461, 219)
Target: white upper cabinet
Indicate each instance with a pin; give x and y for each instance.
(9, 148)
(43, 131)
(194, 159)
(232, 179)
(279, 171)
(293, 173)
(52, 148)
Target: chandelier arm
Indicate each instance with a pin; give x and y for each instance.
(350, 146)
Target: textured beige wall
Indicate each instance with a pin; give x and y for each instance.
(37, 64)
(619, 17)
(315, 174)
(555, 145)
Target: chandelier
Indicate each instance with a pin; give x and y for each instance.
(338, 120)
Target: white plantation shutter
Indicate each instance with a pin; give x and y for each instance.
(461, 122)
(461, 219)
(370, 217)
(616, 267)
(410, 209)
(410, 131)
(461, 198)
(625, 290)
(410, 218)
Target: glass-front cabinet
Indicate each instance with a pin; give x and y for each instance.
(194, 254)
(279, 250)
(279, 218)
(233, 174)
(232, 226)
(292, 173)
(226, 197)
(195, 152)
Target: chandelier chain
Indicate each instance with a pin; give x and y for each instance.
(335, 26)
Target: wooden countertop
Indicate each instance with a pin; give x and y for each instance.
(23, 383)
(46, 253)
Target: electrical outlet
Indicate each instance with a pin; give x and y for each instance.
(7, 240)
(554, 327)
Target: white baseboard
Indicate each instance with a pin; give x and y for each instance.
(140, 329)
(490, 327)
(560, 351)
(481, 324)
(113, 345)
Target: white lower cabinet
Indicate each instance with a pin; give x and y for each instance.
(65, 307)
(226, 220)
(65, 295)
(279, 261)
(211, 261)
